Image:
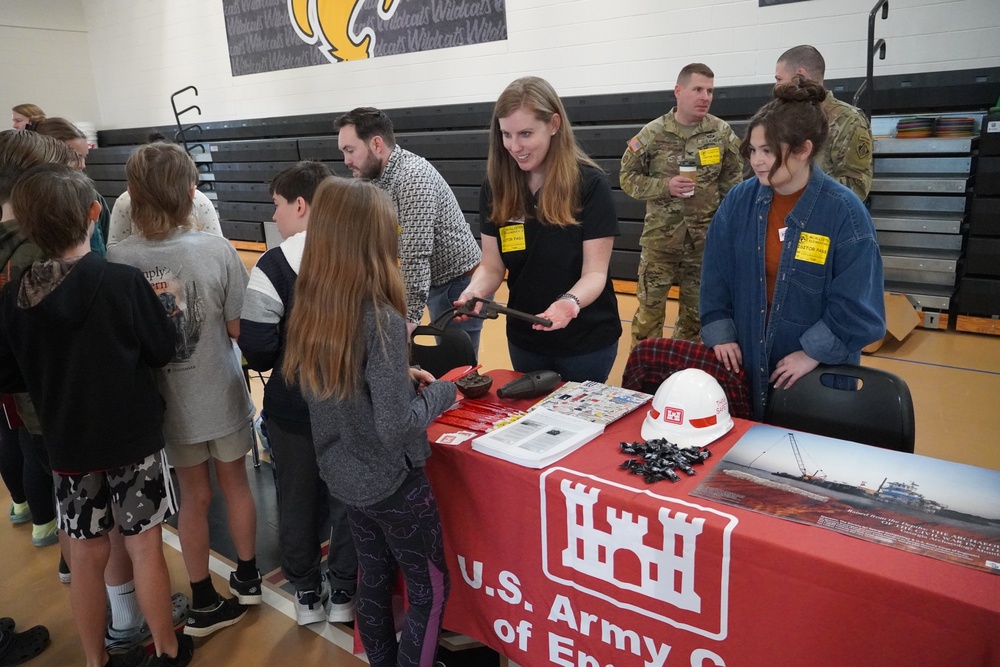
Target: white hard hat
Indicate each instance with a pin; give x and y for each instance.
(689, 409)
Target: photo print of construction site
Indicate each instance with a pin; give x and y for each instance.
(936, 508)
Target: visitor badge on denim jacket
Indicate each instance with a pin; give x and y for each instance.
(812, 248)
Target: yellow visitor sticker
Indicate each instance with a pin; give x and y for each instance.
(813, 248)
(707, 156)
(512, 237)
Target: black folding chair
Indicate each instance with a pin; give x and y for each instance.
(856, 403)
(451, 346)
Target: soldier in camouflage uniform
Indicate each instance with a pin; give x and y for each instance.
(847, 154)
(678, 209)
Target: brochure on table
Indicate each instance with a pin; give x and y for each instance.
(936, 508)
(593, 401)
(538, 439)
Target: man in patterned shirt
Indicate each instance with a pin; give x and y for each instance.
(437, 251)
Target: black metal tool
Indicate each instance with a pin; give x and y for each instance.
(491, 310)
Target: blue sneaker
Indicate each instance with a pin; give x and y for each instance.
(45, 535)
(19, 513)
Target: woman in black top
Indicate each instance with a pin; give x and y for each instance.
(548, 221)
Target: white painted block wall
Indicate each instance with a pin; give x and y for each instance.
(45, 59)
(139, 51)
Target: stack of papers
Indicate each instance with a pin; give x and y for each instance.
(538, 439)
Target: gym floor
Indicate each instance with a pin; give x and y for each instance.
(954, 379)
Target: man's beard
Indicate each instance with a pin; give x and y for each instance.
(371, 168)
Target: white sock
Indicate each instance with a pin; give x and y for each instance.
(125, 612)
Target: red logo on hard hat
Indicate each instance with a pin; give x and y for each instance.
(673, 415)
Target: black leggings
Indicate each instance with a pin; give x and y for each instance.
(24, 471)
(400, 533)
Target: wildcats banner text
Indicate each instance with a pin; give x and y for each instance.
(269, 35)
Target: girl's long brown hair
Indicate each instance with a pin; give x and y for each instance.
(349, 260)
(557, 204)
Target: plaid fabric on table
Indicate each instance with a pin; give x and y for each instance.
(655, 359)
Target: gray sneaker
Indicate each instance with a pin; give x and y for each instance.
(122, 640)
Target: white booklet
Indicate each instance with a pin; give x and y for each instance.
(538, 439)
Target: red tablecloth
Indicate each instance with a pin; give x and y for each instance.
(583, 564)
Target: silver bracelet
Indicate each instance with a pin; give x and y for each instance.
(572, 297)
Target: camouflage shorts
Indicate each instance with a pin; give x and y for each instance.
(136, 497)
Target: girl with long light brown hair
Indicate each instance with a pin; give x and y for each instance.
(347, 349)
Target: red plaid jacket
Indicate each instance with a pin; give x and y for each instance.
(655, 359)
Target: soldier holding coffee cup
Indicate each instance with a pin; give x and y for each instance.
(681, 165)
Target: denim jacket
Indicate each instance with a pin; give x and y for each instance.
(828, 300)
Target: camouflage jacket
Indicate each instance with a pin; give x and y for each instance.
(847, 154)
(651, 160)
(16, 255)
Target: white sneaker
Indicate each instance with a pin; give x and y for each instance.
(310, 606)
(341, 607)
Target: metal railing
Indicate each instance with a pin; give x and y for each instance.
(181, 136)
(873, 48)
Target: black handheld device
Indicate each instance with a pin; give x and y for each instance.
(529, 385)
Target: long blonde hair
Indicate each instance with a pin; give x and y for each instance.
(557, 204)
(349, 260)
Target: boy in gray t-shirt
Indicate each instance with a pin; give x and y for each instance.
(200, 280)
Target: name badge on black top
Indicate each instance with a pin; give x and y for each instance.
(512, 237)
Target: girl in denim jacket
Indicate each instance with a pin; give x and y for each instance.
(792, 275)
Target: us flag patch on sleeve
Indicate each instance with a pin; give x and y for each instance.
(634, 144)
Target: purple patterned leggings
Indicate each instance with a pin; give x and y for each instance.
(402, 532)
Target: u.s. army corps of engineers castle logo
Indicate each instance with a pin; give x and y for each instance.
(667, 560)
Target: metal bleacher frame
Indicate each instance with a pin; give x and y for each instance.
(244, 155)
